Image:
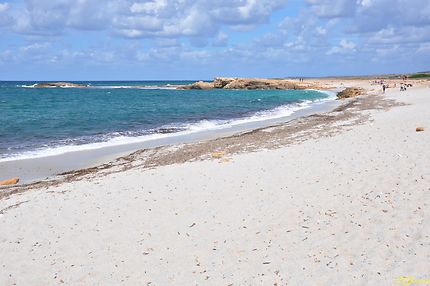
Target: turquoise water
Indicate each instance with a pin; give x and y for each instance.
(38, 120)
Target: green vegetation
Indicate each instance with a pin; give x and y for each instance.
(420, 75)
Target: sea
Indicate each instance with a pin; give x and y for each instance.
(38, 122)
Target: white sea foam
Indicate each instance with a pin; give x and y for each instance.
(280, 112)
(169, 87)
(132, 87)
(331, 94)
(28, 86)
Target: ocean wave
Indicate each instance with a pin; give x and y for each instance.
(331, 93)
(167, 87)
(27, 86)
(133, 86)
(165, 131)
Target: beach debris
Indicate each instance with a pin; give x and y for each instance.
(330, 213)
(218, 155)
(350, 92)
(8, 182)
(419, 129)
(225, 160)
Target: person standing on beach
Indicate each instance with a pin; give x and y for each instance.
(383, 88)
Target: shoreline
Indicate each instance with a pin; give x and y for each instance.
(341, 194)
(346, 113)
(32, 171)
(45, 167)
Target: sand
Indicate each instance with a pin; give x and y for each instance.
(35, 169)
(349, 207)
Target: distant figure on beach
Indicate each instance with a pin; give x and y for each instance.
(383, 88)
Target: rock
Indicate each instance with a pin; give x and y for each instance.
(350, 92)
(221, 82)
(199, 85)
(253, 83)
(59, 84)
(12, 181)
(242, 83)
(419, 129)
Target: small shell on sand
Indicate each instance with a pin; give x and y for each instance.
(218, 155)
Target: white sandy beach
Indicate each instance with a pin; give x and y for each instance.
(349, 209)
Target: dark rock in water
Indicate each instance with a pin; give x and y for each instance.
(350, 92)
(169, 130)
(59, 84)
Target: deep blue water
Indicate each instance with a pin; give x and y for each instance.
(35, 119)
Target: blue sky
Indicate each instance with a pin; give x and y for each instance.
(201, 39)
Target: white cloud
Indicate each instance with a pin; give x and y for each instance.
(321, 31)
(366, 3)
(344, 47)
(134, 19)
(4, 7)
(35, 46)
(386, 52)
(400, 35)
(424, 48)
(189, 18)
(166, 42)
(332, 8)
(176, 31)
(221, 39)
(5, 19)
(148, 7)
(6, 56)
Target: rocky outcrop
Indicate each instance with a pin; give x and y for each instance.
(221, 82)
(199, 85)
(59, 84)
(350, 92)
(260, 84)
(253, 83)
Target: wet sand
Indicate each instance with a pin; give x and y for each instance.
(44, 168)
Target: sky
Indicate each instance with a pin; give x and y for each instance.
(202, 39)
